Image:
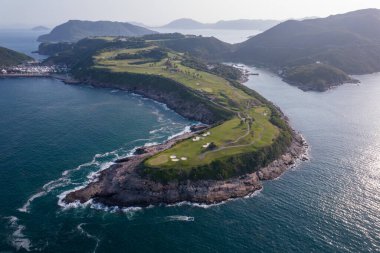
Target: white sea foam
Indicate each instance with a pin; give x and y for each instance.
(164, 106)
(156, 130)
(254, 194)
(93, 176)
(48, 187)
(25, 207)
(149, 144)
(185, 130)
(129, 211)
(114, 209)
(160, 117)
(179, 218)
(88, 235)
(17, 238)
(192, 204)
(65, 180)
(92, 162)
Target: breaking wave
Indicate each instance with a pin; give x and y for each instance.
(88, 235)
(17, 239)
(179, 218)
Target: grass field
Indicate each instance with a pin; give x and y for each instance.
(232, 137)
(248, 131)
(213, 87)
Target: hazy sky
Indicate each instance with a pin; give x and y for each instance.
(157, 12)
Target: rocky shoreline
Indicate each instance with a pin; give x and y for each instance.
(122, 185)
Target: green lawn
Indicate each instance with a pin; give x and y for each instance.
(214, 87)
(231, 137)
(248, 131)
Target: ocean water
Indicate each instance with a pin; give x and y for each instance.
(21, 40)
(54, 137)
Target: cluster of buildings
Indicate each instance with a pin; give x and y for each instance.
(33, 69)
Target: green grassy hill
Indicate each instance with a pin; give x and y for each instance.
(349, 42)
(209, 48)
(9, 57)
(318, 77)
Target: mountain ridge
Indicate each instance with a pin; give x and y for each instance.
(239, 24)
(75, 30)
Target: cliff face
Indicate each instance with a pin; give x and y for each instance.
(176, 96)
(121, 185)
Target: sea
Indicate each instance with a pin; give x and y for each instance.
(56, 137)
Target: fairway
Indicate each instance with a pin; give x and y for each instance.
(215, 88)
(247, 131)
(232, 137)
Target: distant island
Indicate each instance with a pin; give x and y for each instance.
(241, 24)
(247, 139)
(75, 30)
(9, 57)
(40, 28)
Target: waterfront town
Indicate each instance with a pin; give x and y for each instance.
(32, 69)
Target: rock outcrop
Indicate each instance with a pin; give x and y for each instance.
(122, 185)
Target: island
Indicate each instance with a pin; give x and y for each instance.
(316, 76)
(244, 138)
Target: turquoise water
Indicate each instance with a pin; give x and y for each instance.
(54, 136)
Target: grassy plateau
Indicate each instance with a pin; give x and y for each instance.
(252, 135)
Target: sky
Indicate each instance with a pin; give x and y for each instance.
(159, 12)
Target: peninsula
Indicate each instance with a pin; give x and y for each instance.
(246, 139)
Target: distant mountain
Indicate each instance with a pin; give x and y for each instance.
(40, 28)
(185, 23)
(138, 24)
(241, 24)
(9, 57)
(209, 48)
(75, 30)
(349, 42)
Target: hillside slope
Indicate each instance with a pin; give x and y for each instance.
(209, 48)
(75, 30)
(350, 42)
(345, 44)
(9, 57)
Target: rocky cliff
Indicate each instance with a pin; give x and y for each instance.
(122, 185)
